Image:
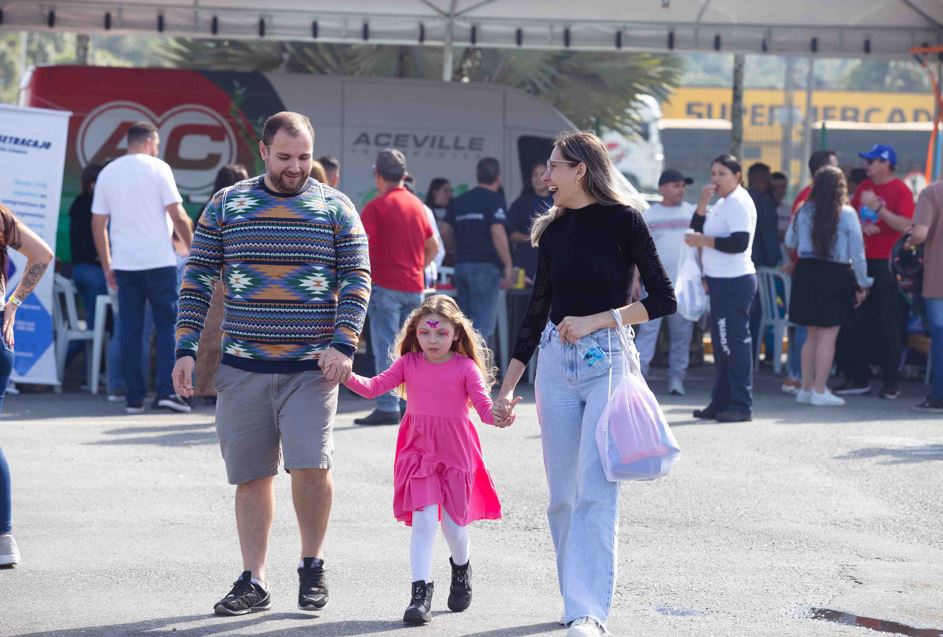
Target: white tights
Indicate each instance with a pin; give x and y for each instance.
(422, 543)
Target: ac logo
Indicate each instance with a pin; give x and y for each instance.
(194, 140)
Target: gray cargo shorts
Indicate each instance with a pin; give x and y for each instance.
(255, 412)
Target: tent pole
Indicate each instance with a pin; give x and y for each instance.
(449, 52)
(809, 123)
(736, 108)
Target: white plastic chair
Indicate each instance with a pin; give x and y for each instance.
(766, 279)
(69, 328)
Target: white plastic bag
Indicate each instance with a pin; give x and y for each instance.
(632, 433)
(689, 291)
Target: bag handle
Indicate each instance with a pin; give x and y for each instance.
(629, 353)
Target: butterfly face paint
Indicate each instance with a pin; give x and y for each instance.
(436, 337)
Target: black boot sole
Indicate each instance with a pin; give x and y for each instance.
(416, 617)
(459, 605)
(311, 606)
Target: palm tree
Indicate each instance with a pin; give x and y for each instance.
(594, 90)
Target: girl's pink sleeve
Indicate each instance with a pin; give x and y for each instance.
(478, 393)
(378, 385)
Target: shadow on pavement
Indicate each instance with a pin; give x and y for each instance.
(898, 455)
(518, 631)
(170, 436)
(226, 625)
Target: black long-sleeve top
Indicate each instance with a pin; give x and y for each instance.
(585, 265)
(80, 231)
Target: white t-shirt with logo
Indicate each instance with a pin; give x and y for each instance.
(668, 226)
(134, 191)
(734, 213)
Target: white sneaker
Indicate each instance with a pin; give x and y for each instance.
(826, 399)
(9, 551)
(585, 627)
(675, 387)
(804, 397)
(116, 398)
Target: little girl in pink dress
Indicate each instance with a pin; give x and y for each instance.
(439, 473)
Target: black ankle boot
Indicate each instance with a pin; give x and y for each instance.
(460, 593)
(419, 610)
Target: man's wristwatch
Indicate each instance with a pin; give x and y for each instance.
(15, 301)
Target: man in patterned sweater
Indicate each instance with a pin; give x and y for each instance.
(293, 258)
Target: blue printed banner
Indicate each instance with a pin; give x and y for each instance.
(32, 160)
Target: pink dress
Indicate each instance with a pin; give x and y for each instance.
(438, 454)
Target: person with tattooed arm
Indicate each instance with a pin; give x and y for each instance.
(14, 235)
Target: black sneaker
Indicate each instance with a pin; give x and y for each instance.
(732, 415)
(708, 413)
(849, 388)
(379, 417)
(312, 587)
(134, 409)
(889, 392)
(245, 597)
(419, 610)
(930, 404)
(175, 403)
(460, 593)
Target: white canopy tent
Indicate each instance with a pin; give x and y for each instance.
(887, 28)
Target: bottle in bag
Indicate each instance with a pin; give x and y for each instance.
(590, 352)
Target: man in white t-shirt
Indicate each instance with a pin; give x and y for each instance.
(668, 221)
(135, 197)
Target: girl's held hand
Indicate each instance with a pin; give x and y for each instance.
(503, 411)
(9, 315)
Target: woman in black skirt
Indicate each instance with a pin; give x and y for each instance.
(830, 279)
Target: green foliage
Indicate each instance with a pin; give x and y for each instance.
(592, 89)
(60, 48)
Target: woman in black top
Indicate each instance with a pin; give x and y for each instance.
(589, 246)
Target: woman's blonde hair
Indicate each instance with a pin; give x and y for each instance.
(599, 182)
(469, 342)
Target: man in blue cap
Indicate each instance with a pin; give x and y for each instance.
(886, 207)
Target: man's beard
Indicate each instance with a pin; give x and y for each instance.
(281, 185)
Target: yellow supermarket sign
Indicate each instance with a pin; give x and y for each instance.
(767, 107)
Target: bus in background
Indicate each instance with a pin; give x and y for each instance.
(691, 144)
(641, 157)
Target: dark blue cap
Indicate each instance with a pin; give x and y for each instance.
(881, 151)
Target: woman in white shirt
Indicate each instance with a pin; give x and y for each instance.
(725, 232)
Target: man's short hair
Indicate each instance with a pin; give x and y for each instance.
(819, 159)
(141, 132)
(780, 176)
(330, 162)
(390, 165)
(295, 124)
(488, 171)
(758, 168)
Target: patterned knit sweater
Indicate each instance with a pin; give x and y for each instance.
(295, 270)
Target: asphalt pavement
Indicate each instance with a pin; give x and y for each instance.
(126, 526)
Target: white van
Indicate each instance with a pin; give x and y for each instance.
(208, 119)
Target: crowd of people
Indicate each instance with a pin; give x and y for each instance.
(261, 305)
(835, 244)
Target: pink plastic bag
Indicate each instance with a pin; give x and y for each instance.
(632, 434)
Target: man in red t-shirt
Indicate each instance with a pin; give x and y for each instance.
(886, 207)
(402, 244)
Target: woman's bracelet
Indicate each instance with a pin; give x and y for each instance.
(14, 300)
